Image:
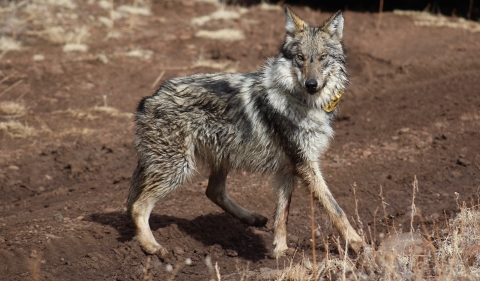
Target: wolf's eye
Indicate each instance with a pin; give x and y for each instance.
(300, 57)
(324, 56)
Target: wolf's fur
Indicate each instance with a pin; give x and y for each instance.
(270, 121)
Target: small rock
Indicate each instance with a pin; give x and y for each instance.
(34, 254)
(463, 162)
(38, 57)
(456, 174)
(109, 210)
(178, 251)
(366, 153)
(58, 217)
(13, 167)
(231, 253)
(79, 218)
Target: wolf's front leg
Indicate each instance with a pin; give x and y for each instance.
(313, 179)
(284, 185)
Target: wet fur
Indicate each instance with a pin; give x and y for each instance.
(261, 122)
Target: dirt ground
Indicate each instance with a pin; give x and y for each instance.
(66, 155)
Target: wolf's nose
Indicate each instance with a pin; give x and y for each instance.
(311, 85)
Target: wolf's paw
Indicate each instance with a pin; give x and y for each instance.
(255, 219)
(162, 253)
(154, 249)
(356, 246)
(355, 243)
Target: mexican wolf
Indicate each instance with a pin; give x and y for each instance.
(276, 120)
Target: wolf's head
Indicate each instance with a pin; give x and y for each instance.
(316, 54)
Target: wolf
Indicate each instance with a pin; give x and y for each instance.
(277, 120)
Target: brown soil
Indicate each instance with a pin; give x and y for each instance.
(412, 109)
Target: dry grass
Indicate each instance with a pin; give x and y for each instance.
(18, 130)
(428, 19)
(270, 7)
(62, 23)
(221, 34)
(75, 132)
(405, 256)
(9, 44)
(221, 14)
(58, 35)
(12, 109)
(140, 53)
(60, 3)
(95, 113)
(112, 112)
(15, 129)
(74, 47)
(450, 253)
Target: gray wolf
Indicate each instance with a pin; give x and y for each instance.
(276, 120)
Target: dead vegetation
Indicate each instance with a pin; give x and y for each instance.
(447, 253)
(94, 113)
(226, 34)
(428, 19)
(11, 109)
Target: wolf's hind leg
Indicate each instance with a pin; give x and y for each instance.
(217, 194)
(284, 185)
(140, 212)
(146, 188)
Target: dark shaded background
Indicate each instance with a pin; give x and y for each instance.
(446, 7)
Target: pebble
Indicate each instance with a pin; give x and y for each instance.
(178, 251)
(231, 253)
(58, 217)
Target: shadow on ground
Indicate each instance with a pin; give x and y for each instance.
(210, 230)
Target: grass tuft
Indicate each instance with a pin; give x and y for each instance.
(221, 14)
(429, 19)
(9, 44)
(11, 109)
(221, 34)
(16, 129)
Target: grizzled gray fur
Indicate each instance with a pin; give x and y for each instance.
(276, 120)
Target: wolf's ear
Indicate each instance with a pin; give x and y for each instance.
(293, 23)
(334, 25)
